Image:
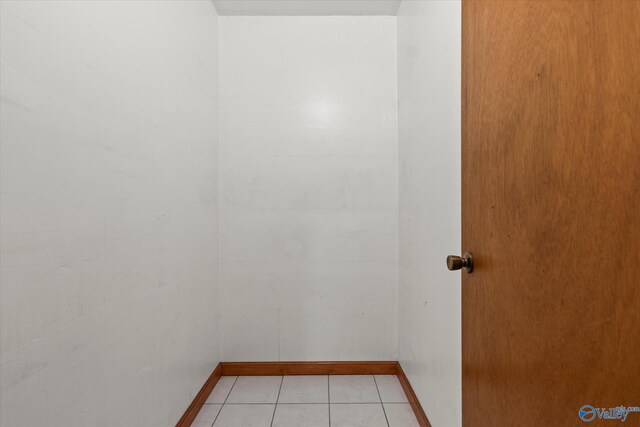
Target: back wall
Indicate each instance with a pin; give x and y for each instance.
(309, 179)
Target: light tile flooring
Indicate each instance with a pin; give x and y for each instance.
(307, 401)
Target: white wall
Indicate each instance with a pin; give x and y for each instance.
(429, 37)
(109, 294)
(309, 179)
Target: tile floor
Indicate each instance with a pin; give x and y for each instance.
(307, 401)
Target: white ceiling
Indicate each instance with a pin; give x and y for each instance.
(307, 7)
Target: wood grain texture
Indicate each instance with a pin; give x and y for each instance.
(551, 210)
(310, 368)
(421, 416)
(193, 409)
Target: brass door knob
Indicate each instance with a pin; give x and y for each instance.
(458, 263)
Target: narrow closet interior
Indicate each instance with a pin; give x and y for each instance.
(230, 182)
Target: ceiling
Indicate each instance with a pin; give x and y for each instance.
(307, 7)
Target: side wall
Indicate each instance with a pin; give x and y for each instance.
(109, 292)
(429, 40)
(309, 177)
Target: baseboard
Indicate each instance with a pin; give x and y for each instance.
(309, 368)
(303, 368)
(413, 399)
(193, 409)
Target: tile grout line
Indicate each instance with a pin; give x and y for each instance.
(329, 397)
(277, 399)
(307, 403)
(225, 400)
(384, 411)
(355, 403)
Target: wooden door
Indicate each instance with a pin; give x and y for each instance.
(551, 210)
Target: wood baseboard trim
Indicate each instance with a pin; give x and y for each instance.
(193, 409)
(309, 368)
(423, 421)
(303, 368)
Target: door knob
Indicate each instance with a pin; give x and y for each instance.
(457, 263)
